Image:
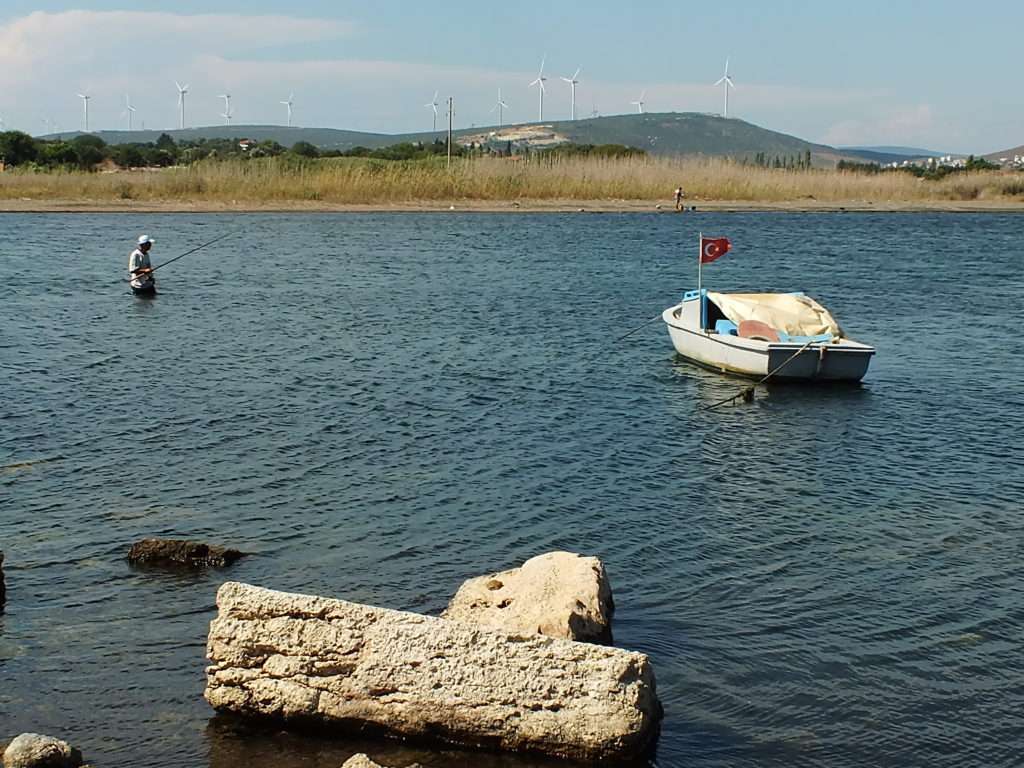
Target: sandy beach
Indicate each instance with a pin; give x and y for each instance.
(30, 205)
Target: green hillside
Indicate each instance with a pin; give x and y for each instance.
(664, 134)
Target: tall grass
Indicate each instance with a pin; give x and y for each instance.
(361, 181)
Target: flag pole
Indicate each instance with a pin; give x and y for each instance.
(700, 264)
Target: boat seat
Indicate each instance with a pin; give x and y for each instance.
(726, 327)
(755, 329)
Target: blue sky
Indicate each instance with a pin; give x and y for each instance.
(935, 74)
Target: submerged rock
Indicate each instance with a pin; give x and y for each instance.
(560, 594)
(190, 553)
(362, 760)
(33, 750)
(314, 660)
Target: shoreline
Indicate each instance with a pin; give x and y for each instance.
(30, 205)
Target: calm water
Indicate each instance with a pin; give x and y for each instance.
(379, 406)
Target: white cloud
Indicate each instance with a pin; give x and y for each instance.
(46, 58)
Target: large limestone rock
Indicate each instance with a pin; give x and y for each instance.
(334, 663)
(193, 554)
(560, 594)
(33, 750)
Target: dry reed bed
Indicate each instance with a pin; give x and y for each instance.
(355, 181)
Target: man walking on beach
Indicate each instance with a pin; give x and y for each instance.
(139, 268)
(679, 198)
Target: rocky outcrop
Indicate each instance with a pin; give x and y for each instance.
(175, 552)
(3, 585)
(32, 750)
(360, 761)
(560, 594)
(349, 666)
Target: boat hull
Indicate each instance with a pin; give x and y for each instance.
(845, 361)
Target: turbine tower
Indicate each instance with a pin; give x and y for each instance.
(289, 103)
(726, 82)
(433, 105)
(639, 103)
(227, 114)
(85, 107)
(129, 110)
(540, 91)
(573, 82)
(182, 90)
(501, 105)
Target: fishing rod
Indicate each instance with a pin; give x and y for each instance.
(186, 253)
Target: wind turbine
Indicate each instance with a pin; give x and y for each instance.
(726, 82)
(85, 107)
(182, 90)
(433, 105)
(573, 82)
(289, 102)
(499, 106)
(639, 103)
(227, 108)
(129, 110)
(540, 81)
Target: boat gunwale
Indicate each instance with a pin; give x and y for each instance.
(846, 346)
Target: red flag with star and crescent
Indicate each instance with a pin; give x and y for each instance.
(712, 248)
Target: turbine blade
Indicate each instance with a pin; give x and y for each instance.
(719, 81)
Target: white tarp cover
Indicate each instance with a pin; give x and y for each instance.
(796, 315)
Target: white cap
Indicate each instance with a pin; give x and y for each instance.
(143, 239)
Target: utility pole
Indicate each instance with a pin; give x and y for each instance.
(451, 113)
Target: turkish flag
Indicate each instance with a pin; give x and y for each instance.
(713, 247)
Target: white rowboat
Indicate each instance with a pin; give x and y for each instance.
(756, 334)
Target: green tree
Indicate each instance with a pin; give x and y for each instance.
(57, 153)
(127, 156)
(91, 151)
(305, 149)
(17, 148)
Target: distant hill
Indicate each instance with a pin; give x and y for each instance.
(1007, 153)
(326, 138)
(903, 151)
(689, 133)
(672, 133)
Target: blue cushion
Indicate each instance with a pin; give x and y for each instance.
(726, 327)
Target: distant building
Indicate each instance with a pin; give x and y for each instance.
(246, 144)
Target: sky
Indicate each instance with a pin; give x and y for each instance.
(937, 74)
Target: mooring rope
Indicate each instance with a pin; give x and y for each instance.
(747, 393)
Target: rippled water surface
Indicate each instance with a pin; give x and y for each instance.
(379, 406)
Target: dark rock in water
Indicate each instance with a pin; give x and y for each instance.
(32, 750)
(3, 587)
(176, 552)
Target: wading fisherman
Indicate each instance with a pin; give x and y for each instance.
(139, 268)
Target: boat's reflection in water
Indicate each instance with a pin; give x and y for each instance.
(712, 387)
